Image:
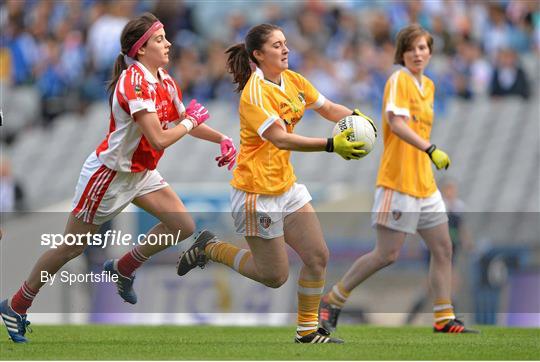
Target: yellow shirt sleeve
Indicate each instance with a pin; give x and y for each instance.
(312, 97)
(398, 99)
(257, 108)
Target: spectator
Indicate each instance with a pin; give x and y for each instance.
(190, 74)
(52, 82)
(23, 50)
(175, 16)
(322, 74)
(238, 26)
(442, 39)
(521, 14)
(103, 35)
(380, 29)
(498, 32)
(220, 83)
(471, 71)
(509, 78)
(312, 29)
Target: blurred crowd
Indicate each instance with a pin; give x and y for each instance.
(66, 48)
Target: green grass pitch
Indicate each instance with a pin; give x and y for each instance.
(91, 342)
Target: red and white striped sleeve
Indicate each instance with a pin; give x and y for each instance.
(137, 92)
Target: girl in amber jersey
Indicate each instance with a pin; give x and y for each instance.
(269, 208)
(407, 199)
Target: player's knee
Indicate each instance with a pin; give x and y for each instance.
(276, 280)
(318, 259)
(184, 228)
(442, 252)
(389, 257)
(72, 251)
(188, 228)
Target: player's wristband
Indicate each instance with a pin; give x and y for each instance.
(329, 145)
(430, 149)
(188, 123)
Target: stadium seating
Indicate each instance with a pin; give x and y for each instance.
(20, 105)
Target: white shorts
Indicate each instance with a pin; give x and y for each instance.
(263, 215)
(407, 213)
(103, 193)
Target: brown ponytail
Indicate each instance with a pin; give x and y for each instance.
(240, 54)
(133, 30)
(238, 65)
(118, 67)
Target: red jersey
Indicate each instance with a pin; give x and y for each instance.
(125, 148)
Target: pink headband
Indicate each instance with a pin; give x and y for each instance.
(139, 43)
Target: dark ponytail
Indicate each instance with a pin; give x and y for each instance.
(132, 32)
(238, 65)
(118, 68)
(240, 55)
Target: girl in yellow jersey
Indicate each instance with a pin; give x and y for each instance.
(269, 208)
(407, 199)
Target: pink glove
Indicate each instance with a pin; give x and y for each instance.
(228, 154)
(196, 112)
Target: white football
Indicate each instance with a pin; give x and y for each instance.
(364, 131)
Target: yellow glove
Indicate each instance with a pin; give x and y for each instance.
(341, 145)
(439, 158)
(357, 112)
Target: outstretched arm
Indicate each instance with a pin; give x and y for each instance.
(293, 142)
(194, 116)
(399, 127)
(333, 111)
(158, 137)
(207, 133)
(228, 150)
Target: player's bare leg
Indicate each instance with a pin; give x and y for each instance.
(54, 259)
(266, 261)
(438, 241)
(303, 233)
(13, 310)
(176, 225)
(174, 218)
(386, 252)
(439, 244)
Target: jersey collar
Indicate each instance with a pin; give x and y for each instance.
(260, 74)
(420, 86)
(147, 75)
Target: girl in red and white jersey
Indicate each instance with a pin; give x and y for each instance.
(147, 116)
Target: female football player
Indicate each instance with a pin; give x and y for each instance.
(268, 206)
(146, 105)
(407, 199)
